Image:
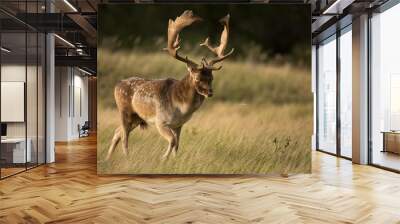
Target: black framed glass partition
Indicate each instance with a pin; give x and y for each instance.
(326, 95)
(15, 152)
(377, 78)
(345, 91)
(22, 78)
(385, 88)
(334, 93)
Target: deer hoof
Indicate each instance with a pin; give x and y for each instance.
(107, 158)
(165, 156)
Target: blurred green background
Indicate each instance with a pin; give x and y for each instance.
(264, 33)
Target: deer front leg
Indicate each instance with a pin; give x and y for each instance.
(170, 136)
(177, 132)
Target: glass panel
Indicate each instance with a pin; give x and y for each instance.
(23, 90)
(13, 86)
(32, 87)
(385, 84)
(31, 98)
(41, 98)
(346, 93)
(327, 95)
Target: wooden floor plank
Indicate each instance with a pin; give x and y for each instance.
(70, 191)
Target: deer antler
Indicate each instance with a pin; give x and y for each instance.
(174, 28)
(219, 50)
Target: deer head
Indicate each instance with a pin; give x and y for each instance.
(200, 74)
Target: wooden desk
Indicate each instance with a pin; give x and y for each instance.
(391, 141)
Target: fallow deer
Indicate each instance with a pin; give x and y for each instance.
(168, 103)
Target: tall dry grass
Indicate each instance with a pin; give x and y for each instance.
(259, 121)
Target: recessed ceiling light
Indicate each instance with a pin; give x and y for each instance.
(5, 50)
(64, 40)
(84, 71)
(337, 7)
(70, 5)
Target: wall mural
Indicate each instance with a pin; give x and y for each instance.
(204, 89)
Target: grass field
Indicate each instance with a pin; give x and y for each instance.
(258, 122)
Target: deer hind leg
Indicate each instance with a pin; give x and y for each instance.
(129, 122)
(114, 142)
(125, 136)
(170, 136)
(122, 132)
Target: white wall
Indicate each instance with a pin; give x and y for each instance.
(80, 103)
(71, 94)
(16, 73)
(12, 73)
(62, 81)
(13, 101)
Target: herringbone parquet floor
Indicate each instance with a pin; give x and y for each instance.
(70, 191)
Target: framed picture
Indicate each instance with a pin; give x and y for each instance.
(204, 89)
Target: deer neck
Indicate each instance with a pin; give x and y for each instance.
(186, 95)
